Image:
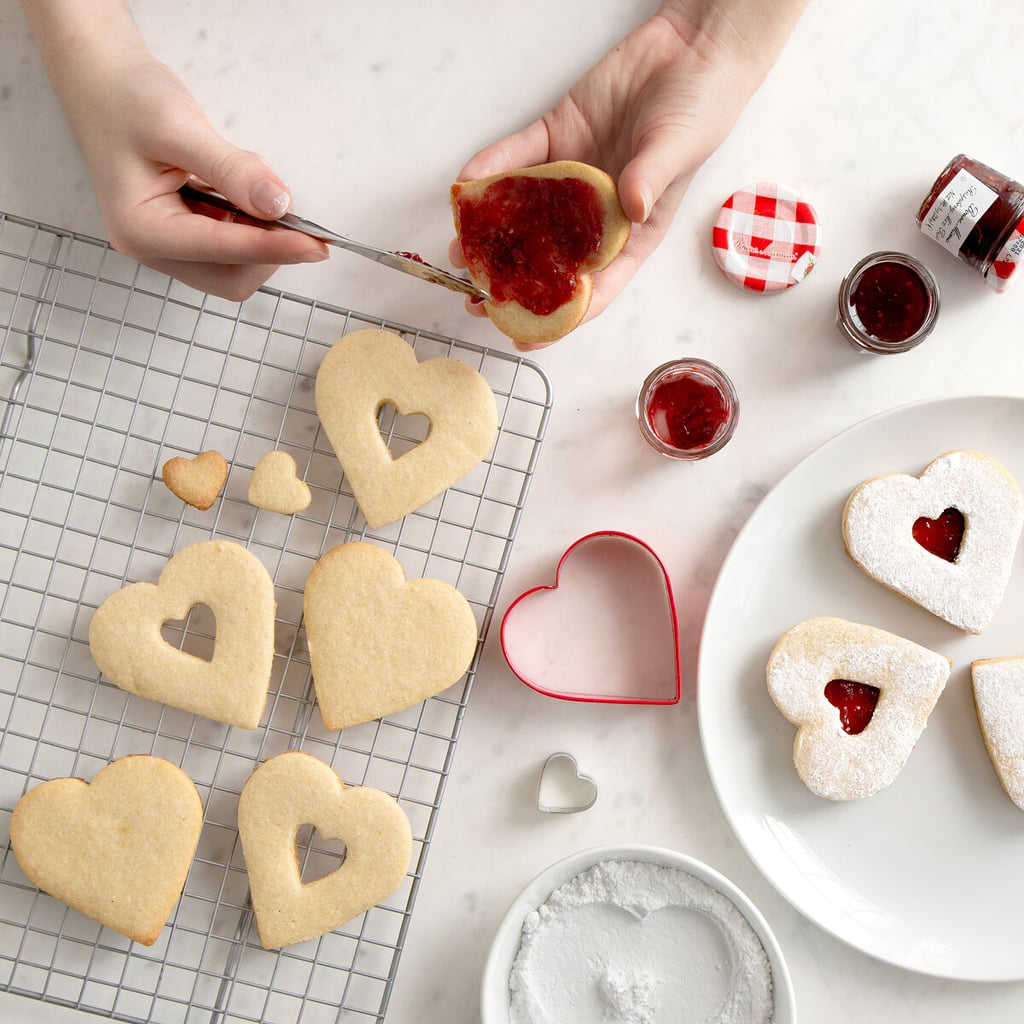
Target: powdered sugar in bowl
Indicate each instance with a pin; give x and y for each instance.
(635, 933)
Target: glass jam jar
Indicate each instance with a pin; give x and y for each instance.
(687, 409)
(888, 303)
(977, 214)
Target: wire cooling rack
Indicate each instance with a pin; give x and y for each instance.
(107, 370)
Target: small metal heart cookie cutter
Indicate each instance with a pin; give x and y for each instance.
(562, 788)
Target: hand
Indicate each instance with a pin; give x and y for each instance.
(650, 113)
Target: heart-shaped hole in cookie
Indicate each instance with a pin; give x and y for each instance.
(195, 634)
(942, 536)
(317, 855)
(401, 433)
(855, 701)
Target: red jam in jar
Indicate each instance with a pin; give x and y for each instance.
(977, 214)
(687, 409)
(888, 302)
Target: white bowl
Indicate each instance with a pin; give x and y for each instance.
(495, 997)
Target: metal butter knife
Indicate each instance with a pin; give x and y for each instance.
(406, 262)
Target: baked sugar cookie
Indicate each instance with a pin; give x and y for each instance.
(368, 369)
(276, 487)
(945, 540)
(117, 849)
(197, 481)
(295, 789)
(379, 643)
(860, 698)
(999, 699)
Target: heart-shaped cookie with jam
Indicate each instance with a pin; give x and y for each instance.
(379, 643)
(945, 540)
(860, 698)
(295, 789)
(368, 369)
(127, 644)
(117, 849)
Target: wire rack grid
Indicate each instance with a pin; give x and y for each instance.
(108, 370)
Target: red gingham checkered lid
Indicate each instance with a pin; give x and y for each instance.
(766, 238)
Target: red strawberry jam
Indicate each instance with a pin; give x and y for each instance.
(687, 412)
(530, 236)
(941, 536)
(855, 701)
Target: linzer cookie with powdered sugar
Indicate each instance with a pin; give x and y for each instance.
(860, 698)
(999, 699)
(945, 540)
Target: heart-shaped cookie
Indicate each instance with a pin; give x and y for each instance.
(295, 789)
(196, 481)
(379, 643)
(945, 540)
(117, 849)
(606, 630)
(368, 369)
(998, 685)
(276, 487)
(835, 760)
(127, 645)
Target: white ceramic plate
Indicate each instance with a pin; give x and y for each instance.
(495, 991)
(929, 873)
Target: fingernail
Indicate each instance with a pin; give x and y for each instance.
(315, 256)
(268, 197)
(646, 202)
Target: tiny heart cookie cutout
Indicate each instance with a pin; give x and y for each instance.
(833, 762)
(379, 643)
(117, 849)
(127, 645)
(562, 788)
(368, 369)
(198, 480)
(276, 487)
(606, 630)
(295, 789)
(901, 531)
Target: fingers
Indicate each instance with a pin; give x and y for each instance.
(232, 283)
(523, 149)
(663, 160)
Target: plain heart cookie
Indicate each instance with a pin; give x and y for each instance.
(295, 789)
(533, 238)
(126, 642)
(368, 369)
(860, 698)
(998, 685)
(117, 849)
(196, 481)
(945, 540)
(379, 643)
(276, 487)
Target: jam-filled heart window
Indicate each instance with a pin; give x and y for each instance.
(941, 536)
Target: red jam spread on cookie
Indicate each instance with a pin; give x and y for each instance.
(531, 236)
(686, 412)
(942, 536)
(855, 701)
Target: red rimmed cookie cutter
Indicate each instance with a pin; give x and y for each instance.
(605, 631)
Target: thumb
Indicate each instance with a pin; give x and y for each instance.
(663, 159)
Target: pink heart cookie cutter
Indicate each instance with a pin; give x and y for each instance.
(605, 631)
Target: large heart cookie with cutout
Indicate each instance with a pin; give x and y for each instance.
(117, 849)
(379, 643)
(295, 789)
(368, 369)
(945, 540)
(860, 698)
(127, 644)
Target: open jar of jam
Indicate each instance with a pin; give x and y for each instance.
(888, 302)
(687, 409)
(977, 214)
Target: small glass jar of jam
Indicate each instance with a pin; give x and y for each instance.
(687, 409)
(888, 302)
(977, 214)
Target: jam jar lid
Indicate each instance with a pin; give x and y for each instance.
(766, 238)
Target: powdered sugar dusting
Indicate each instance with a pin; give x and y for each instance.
(878, 530)
(833, 763)
(999, 699)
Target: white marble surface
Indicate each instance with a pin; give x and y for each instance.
(369, 115)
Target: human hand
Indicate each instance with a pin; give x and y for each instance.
(650, 113)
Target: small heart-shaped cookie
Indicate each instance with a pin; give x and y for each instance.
(127, 645)
(998, 685)
(295, 789)
(945, 540)
(368, 369)
(379, 643)
(117, 849)
(276, 487)
(196, 481)
(834, 760)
